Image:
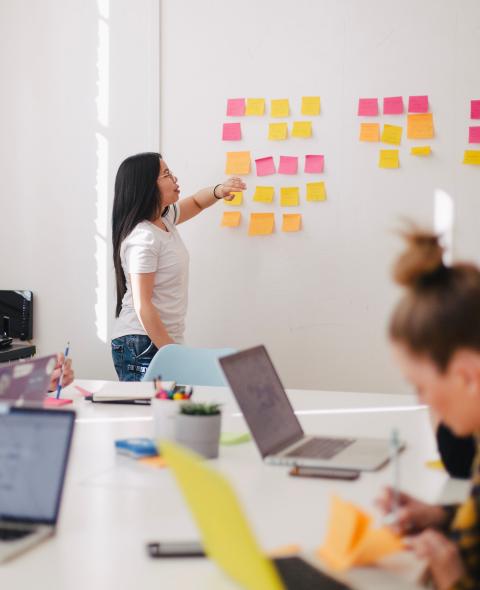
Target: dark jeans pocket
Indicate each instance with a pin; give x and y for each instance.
(118, 356)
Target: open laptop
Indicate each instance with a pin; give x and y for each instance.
(226, 534)
(277, 431)
(26, 380)
(34, 451)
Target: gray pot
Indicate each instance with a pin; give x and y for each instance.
(199, 433)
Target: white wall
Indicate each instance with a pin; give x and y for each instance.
(79, 93)
(318, 300)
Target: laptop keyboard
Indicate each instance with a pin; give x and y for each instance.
(297, 574)
(321, 448)
(13, 534)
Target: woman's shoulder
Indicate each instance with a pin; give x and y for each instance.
(142, 234)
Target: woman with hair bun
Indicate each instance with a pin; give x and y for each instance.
(435, 336)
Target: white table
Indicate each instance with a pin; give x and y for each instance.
(112, 506)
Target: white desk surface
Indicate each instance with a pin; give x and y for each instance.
(112, 506)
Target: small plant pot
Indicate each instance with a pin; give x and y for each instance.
(199, 433)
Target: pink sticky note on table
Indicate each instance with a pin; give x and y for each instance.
(474, 134)
(83, 391)
(393, 105)
(368, 107)
(288, 165)
(265, 166)
(418, 104)
(231, 132)
(53, 402)
(314, 163)
(235, 107)
(475, 109)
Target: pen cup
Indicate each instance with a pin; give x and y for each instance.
(164, 414)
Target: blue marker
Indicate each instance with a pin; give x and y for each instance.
(59, 385)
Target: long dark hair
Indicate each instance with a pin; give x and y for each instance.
(136, 199)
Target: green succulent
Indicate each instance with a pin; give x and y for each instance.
(194, 409)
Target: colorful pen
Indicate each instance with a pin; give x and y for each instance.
(59, 384)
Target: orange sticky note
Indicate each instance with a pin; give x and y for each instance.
(255, 106)
(310, 105)
(369, 132)
(289, 196)
(279, 107)
(261, 224)
(237, 199)
(316, 191)
(238, 163)
(158, 462)
(231, 219)
(420, 126)
(388, 159)
(291, 222)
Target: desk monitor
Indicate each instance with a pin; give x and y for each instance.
(18, 307)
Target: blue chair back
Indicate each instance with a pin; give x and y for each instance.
(188, 366)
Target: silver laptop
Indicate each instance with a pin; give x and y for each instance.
(26, 381)
(277, 431)
(34, 451)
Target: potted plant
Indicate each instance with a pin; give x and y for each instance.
(197, 427)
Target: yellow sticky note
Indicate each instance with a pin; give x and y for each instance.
(291, 222)
(277, 131)
(302, 129)
(421, 150)
(388, 159)
(237, 199)
(310, 105)
(264, 194)
(316, 191)
(289, 196)
(279, 107)
(231, 219)
(392, 134)
(472, 157)
(238, 163)
(369, 132)
(255, 106)
(420, 126)
(435, 464)
(261, 224)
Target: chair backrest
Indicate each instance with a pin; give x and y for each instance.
(188, 366)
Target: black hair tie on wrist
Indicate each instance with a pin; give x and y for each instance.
(214, 193)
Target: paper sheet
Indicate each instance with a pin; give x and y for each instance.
(420, 126)
(235, 107)
(418, 104)
(368, 107)
(264, 194)
(238, 163)
(314, 163)
(310, 106)
(237, 199)
(231, 219)
(292, 222)
(474, 134)
(279, 107)
(388, 159)
(392, 134)
(472, 157)
(261, 224)
(265, 166)
(393, 105)
(289, 196)
(369, 132)
(277, 131)
(288, 165)
(421, 150)
(231, 132)
(255, 106)
(302, 129)
(316, 191)
(475, 109)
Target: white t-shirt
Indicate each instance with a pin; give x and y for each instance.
(150, 249)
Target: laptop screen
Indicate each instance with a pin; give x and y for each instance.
(26, 380)
(34, 449)
(262, 399)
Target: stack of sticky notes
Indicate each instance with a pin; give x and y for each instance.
(352, 541)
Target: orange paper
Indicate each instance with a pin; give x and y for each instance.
(369, 132)
(231, 219)
(292, 222)
(238, 163)
(261, 224)
(420, 126)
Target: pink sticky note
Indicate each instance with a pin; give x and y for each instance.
(393, 105)
(53, 402)
(474, 135)
(418, 104)
(265, 166)
(83, 391)
(314, 163)
(368, 107)
(475, 109)
(288, 165)
(235, 107)
(231, 132)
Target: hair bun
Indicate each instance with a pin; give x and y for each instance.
(422, 259)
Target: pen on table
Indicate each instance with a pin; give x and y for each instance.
(395, 447)
(59, 384)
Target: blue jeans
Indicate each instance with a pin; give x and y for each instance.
(131, 356)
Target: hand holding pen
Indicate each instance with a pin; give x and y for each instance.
(66, 372)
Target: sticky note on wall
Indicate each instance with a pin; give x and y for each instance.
(291, 222)
(475, 109)
(472, 157)
(474, 134)
(392, 134)
(231, 132)
(279, 107)
(420, 126)
(418, 104)
(369, 132)
(421, 150)
(265, 166)
(316, 191)
(261, 224)
(314, 163)
(310, 106)
(288, 165)
(302, 129)
(237, 199)
(231, 219)
(235, 107)
(368, 107)
(388, 159)
(264, 194)
(277, 131)
(255, 106)
(393, 105)
(289, 196)
(238, 163)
